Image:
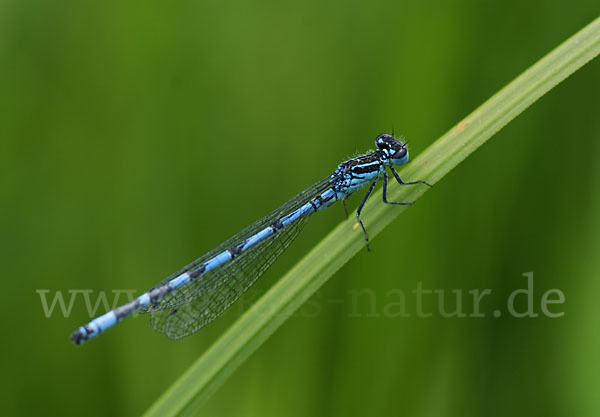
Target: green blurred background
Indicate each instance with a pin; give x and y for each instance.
(136, 135)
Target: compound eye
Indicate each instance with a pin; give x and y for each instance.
(399, 154)
(383, 141)
(400, 157)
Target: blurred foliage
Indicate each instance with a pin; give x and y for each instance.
(136, 136)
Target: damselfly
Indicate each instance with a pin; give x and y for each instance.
(197, 294)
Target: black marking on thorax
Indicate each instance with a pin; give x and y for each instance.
(363, 164)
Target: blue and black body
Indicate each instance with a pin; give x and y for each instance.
(197, 294)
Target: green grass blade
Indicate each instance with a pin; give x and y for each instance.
(186, 395)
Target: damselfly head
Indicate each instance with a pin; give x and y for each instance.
(395, 150)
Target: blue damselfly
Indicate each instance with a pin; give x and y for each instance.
(197, 294)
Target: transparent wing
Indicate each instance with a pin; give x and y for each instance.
(226, 285)
(229, 281)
